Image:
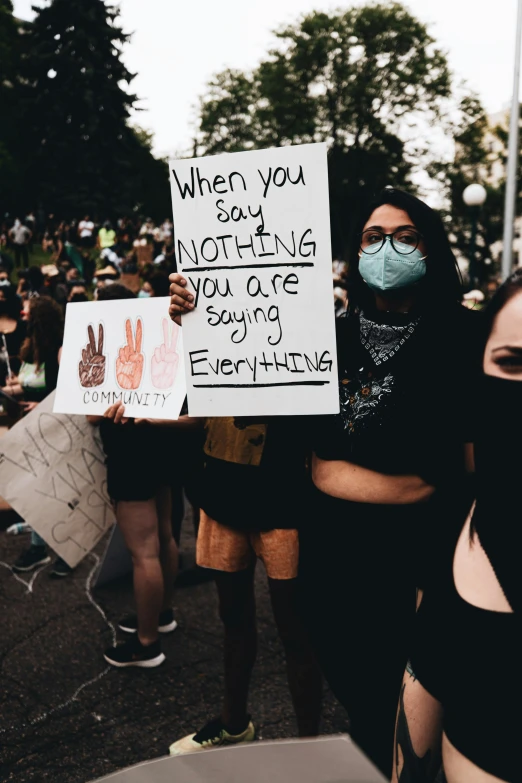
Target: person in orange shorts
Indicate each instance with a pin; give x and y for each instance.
(253, 479)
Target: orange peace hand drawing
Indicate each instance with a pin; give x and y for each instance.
(129, 364)
(165, 362)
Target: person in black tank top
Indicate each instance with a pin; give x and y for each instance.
(464, 682)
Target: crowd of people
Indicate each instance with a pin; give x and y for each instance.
(388, 531)
(82, 255)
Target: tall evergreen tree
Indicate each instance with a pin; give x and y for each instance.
(81, 152)
(9, 56)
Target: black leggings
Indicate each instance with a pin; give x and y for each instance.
(358, 583)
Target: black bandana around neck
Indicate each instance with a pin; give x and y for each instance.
(384, 336)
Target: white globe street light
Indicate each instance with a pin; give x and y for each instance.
(474, 197)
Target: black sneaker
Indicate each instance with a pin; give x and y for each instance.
(166, 622)
(133, 653)
(60, 569)
(195, 576)
(32, 558)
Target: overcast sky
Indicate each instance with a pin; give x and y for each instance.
(178, 44)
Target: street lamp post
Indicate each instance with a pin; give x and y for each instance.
(474, 197)
(512, 162)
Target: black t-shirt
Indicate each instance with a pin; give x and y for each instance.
(406, 385)
(254, 474)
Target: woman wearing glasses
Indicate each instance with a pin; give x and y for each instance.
(384, 467)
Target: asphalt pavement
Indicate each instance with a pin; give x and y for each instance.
(65, 717)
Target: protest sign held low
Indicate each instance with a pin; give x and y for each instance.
(52, 472)
(123, 350)
(252, 239)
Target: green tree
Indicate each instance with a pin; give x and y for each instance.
(352, 79)
(9, 58)
(81, 154)
(480, 154)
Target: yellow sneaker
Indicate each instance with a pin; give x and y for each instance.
(212, 735)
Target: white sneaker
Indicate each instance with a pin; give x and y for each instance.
(212, 735)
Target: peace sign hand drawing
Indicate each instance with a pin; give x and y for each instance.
(129, 364)
(92, 366)
(165, 362)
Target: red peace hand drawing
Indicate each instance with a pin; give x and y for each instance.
(165, 362)
(129, 364)
(92, 366)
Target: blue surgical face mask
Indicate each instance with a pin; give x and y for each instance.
(388, 269)
(143, 294)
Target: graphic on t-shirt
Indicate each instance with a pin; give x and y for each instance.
(129, 364)
(165, 362)
(92, 365)
(241, 441)
(361, 397)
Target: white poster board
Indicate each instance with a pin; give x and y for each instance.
(252, 239)
(126, 350)
(52, 472)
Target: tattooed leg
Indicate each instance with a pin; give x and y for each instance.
(417, 755)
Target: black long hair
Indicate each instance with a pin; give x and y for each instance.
(442, 284)
(44, 331)
(510, 288)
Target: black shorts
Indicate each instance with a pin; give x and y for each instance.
(139, 458)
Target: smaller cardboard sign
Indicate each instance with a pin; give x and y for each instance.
(126, 350)
(52, 472)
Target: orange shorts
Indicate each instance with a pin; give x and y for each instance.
(224, 549)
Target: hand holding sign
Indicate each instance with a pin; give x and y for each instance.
(181, 300)
(165, 362)
(92, 366)
(129, 364)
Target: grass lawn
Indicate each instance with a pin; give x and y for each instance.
(37, 257)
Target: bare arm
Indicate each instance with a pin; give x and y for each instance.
(469, 457)
(183, 423)
(348, 481)
(14, 389)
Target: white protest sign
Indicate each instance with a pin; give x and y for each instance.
(126, 349)
(252, 239)
(52, 472)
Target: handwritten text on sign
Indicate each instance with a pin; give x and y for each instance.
(52, 472)
(252, 238)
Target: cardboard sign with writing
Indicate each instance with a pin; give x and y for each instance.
(126, 350)
(52, 472)
(252, 239)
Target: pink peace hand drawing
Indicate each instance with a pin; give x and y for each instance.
(165, 362)
(129, 364)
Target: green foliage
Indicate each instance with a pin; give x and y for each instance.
(351, 79)
(480, 154)
(75, 150)
(9, 51)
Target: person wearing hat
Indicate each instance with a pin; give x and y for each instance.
(53, 280)
(107, 273)
(104, 277)
(50, 270)
(473, 300)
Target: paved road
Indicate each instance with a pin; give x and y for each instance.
(66, 718)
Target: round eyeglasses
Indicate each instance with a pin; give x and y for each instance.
(404, 241)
